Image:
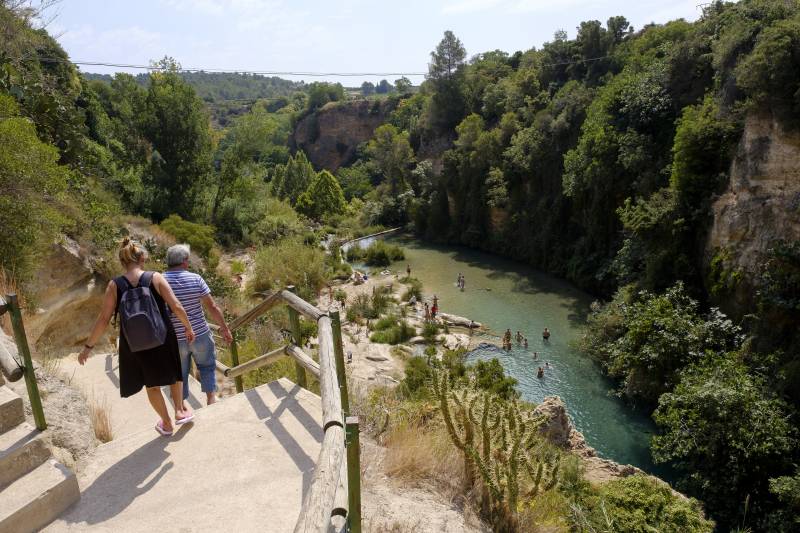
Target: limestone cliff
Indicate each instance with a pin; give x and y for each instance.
(331, 135)
(760, 205)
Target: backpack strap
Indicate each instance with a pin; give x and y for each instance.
(122, 284)
(146, 279)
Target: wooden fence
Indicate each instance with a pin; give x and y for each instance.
(335, 487)
(15, 368)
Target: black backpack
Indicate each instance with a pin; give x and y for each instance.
(140, 318)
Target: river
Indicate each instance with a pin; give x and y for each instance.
(502, 294)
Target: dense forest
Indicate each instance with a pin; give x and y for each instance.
(595, 158)
(228, 95)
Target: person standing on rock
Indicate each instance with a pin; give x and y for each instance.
(193, 293)
(148, 347)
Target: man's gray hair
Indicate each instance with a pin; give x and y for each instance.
(177, 254)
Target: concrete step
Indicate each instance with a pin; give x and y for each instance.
(242, 465)
(21, 450)
(12, 412)
(37, 498)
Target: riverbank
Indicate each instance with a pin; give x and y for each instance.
(375, 364)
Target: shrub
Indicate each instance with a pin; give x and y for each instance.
(289, 263)
(429, 331)
(237, 267)
(355, 253)
(490, 376)
(380, 254)
(392, 331)
(418, 374)
(198, 236)
(414, 288)
(640, 503)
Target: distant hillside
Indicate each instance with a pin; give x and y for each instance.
(227, 94)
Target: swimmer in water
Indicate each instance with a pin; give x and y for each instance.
(547, 364)
(525, 343)
(535, 356)
(546, 334)
(540, 373)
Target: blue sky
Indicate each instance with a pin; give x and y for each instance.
(316, 36)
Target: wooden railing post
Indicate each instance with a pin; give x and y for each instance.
(294, 323)
(235, 362)
(338, 351)
(24, 351)
(353, 475)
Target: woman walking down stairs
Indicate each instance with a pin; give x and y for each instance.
(34, 488)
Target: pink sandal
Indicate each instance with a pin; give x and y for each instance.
(179, 421)
(160, 428)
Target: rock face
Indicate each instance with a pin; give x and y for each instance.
(558, 429)
(330, 136)
(761, 203)
(68, 294)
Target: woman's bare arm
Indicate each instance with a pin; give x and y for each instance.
(106, 312)
(163, 288)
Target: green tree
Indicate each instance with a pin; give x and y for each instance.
(727, 436)
(32, 185)
(177, 124)
(645, 339)
(256, 141)
(403, 85)
(320, 93)
(383, 87)
(391, 153)
(323, 197)
(367, 88)
(446, 73)
(293, 179)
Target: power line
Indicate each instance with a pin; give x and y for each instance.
(280, 73)
(229, 71)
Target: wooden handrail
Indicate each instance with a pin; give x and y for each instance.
(270, 301)
(10, 367)
(303, 358)
(329, 493)
(252, 364)
(301, 306)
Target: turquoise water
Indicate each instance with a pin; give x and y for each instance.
(502, 294)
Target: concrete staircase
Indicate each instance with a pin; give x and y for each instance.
(243, 464)
(34, 488)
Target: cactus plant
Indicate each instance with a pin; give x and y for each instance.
(507, 456)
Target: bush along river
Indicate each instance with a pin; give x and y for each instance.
(501, 294)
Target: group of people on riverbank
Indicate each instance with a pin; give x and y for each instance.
(432, 310)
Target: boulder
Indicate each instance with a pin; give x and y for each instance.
(557, 426)
(455, 320)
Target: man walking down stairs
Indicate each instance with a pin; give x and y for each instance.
(34, 488)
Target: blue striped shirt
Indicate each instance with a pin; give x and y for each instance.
(188, 288)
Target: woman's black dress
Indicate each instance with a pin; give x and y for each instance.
(155, 367)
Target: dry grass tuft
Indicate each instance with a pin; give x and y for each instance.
(422, 455)
(100, 415)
